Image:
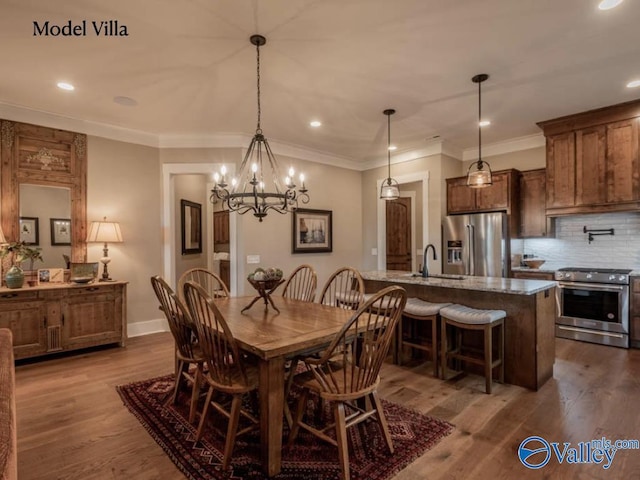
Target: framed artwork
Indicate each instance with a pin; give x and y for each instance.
(50, 275)
(60, 231)
(191, 227)
(312, 231)
(83, 272)
(30, 230)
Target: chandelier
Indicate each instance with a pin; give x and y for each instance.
(389, 189)
(257, 188)
(481, 176)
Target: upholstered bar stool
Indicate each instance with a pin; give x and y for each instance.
(465, 318)
(418, 311)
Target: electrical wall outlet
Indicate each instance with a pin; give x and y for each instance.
(374, 251)
(253, 258)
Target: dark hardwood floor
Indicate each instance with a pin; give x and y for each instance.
(72, 424)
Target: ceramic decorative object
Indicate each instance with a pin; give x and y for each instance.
(14, 277)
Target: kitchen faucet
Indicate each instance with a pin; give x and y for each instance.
(425, 270)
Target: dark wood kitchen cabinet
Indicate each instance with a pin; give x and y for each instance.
(593, 162)
(532, 275)
(534, 222)
(634, 313)
(221, 227)
(501, 196)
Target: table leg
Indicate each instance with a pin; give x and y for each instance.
(271, 391)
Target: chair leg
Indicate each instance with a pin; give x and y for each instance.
(181, 366)
(302, 402)
(203, 416)
(232, 429)
(443, 347)
(488, 357)
(341, 437)
(501, 349)
(382, 420)
(195, 393)
(287, 390)
(434, 345)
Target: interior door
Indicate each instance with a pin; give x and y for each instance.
(399, 234)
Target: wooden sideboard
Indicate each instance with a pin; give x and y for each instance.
(56, 318)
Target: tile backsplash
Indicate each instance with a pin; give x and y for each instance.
(571, 247)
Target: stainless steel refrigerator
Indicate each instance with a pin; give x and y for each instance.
(476, 244)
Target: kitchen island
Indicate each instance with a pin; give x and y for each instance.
(530, 306)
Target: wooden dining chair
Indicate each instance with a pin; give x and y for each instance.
(211, 282)
(228, 371)
(347, 373)
(301, 284)
(187, 350)
(345, 289)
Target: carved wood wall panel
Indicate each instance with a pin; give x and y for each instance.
(39, 155)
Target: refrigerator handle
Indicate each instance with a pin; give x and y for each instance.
(472, 250)
(469, 265)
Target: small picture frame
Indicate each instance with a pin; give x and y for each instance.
(312, 231)
(191, 227)
(83, 272)
(30, 230)
(60, 231)
(50, 275)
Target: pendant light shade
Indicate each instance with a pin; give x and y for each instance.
(479, 173)
(259, 187)
(389, 189)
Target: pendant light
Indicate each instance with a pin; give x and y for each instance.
(389, 189)
(257, 188)
(481, 176)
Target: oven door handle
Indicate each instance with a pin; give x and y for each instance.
(593, 286)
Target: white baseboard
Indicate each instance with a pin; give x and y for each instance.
(138, 329)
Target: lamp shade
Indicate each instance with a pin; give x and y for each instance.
(104, 232)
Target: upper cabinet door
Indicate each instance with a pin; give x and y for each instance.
(460, 197)
(591, 187)
(622, 182)
(561, 170)
(495, 197)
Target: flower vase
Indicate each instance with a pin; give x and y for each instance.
(14, 277)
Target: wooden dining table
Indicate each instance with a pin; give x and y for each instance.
(274, 337)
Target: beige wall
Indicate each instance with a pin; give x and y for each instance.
(123, 184)
(330, 188)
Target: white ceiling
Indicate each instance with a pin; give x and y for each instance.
(191, 69)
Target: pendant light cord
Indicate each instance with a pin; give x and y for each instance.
(389, 147)
(479, 126)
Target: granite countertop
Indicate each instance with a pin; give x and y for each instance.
(464, 282)
(543, 269)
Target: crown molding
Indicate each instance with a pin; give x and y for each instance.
(433, 148)
(508, 146)
(54, 120)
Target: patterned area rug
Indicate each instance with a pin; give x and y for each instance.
(309, 458)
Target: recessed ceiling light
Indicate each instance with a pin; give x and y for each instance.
(315, 123)
(65, 86)
(485, 123)
(125, 101)
(392, 148)
(609, 4)
(633, 84)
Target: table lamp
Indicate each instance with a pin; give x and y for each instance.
(107, 232)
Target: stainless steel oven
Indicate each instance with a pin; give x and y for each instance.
(593, 305)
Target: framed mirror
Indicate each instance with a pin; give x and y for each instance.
(191, 227)
(44, 176)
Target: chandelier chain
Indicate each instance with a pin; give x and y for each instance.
(479, 120)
